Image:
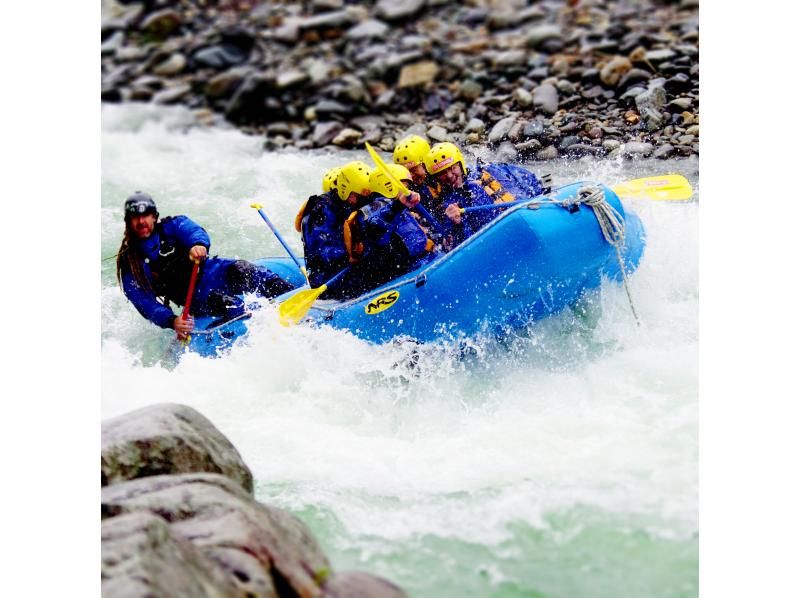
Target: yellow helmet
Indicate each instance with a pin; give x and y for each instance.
(329, 179)
(380, 183)
(353, 178)
(443, 155)
(410, 151)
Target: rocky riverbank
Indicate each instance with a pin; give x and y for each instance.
(179, 519)
(534, 81)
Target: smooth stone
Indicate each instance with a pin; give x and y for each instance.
(470, 89)
(437, 133)
(611, 144)
(634, 149)
(548, 153)
(663, 152)
(522, 97)
(368, 29)
(170, 95)
(347, 137)
(501, 129)
(614, 70)
(660, 55)
(679, 104)
(324, 133)
(568, 141)
(536, 36)
(546, 98)
(506, 152)
(223, 84)
(396, 10)
(693, 130)
(161, 23)
(579, 150)
(171, 66)
(510, 58)
(291, 78)
(649, 104)
(220, 56)
(113, 43)
(634, 76)
(417, 74)
(328, 20)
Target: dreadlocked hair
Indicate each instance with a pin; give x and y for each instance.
(128, 254)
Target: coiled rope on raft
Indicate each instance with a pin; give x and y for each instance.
(611, 224)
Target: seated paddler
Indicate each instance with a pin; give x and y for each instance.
(456, 187)
(155, 263)
(384, 239)
(321, 222)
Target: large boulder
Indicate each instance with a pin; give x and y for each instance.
(356, 584)
(141, 557)
(261, 550)
(164, 439)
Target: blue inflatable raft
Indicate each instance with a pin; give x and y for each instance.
(533, 260)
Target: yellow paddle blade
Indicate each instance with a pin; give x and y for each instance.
(296, 307)
(382, 165)
(668, 187)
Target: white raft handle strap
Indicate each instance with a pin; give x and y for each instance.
(611, 224)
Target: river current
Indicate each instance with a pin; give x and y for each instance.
(562, 461)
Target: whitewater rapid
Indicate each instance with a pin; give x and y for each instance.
(562, 460)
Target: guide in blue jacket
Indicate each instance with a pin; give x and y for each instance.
(155, 261)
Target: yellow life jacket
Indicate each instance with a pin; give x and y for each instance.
(494, 189)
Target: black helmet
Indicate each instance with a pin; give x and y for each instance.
(140, 203)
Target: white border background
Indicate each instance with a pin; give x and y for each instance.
(50, 298)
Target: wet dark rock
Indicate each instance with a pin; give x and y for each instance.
(412, 59)
(324, 133)
(247, 103)
(593, 92)
(678, 83)
(225, 83)
(220, 56)
(325, 108)
(633, 77)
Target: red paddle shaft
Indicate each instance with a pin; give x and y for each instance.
(190, 293)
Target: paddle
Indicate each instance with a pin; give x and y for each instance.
(419, 207)
(188, 303)
(260, 209)
(666, 187)
(296, 307)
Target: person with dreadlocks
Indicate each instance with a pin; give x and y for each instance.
(155, 261)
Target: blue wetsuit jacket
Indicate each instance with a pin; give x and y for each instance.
(167, 270)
